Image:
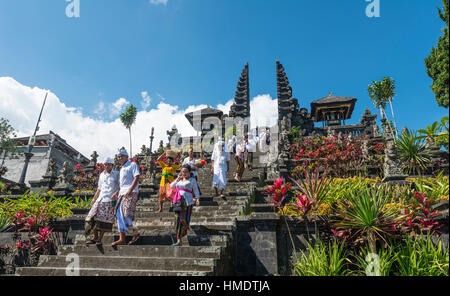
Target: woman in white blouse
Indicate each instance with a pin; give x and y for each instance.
(186, 188)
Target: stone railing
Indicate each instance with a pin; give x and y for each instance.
(356, 130)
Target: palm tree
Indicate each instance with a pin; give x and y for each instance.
(430, 133)
(382, 92)
(128, 118)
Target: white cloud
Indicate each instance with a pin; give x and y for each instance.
(263, 111)
(21, 104)
(146, 100)
(156, 2)
(110, 110)
(117, 106)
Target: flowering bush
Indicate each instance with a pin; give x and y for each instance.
(342, 157)
(278, 192)
(87, 180)
(339, 156)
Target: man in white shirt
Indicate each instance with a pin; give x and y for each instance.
(101, 216)
(128, 196)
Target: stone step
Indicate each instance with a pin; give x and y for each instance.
(164, 237)
(262, 208)
(144, 263)
(143, 251)
(210, 229)
(61, 271)
(170, 221)
(166, 214)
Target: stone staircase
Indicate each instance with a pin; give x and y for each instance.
(208, 249)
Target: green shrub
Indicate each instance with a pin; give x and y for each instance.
(322, 260)
(32, 205)
(420, 257)
(5, 222)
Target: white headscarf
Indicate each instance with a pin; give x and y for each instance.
(216, 151)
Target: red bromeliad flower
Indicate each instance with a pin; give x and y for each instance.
(421, 198)
(19, 215)
(43, 239)
(29, 221)
(23, 245)
(278, 192)
(341, 235)
(303, 204)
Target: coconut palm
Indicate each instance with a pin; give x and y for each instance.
(128, 118)
(382, 92)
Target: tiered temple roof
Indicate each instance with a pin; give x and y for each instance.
(286, 104)
(241, 106)
(333, 109)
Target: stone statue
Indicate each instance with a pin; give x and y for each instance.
(65, 178)
(376, 130)
(93, 161)
(392, 167)
(365, 149)
(144, 150)
(51, 170)
(161, 147)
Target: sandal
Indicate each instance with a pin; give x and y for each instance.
(117, 243)
(90, 242)
(135, 239)
(177, 244)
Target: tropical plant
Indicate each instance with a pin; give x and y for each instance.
(5, 222)
(437, 62)
(128, 118)
(420, 216)
(437, 188)
(421, 257)
(33, 204)
(442, 137)
(365, 215)
(411, 150)
(430, 132)
(382, 92)
(313, 188)
(322, 260)
(381, 265)
(82, 202)
(278, 192)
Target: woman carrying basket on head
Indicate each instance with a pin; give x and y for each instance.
(185, 188)
(169, 169)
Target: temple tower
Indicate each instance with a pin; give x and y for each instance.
(241, 105)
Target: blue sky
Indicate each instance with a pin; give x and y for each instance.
(191, 52)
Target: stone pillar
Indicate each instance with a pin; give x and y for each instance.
(256, 245)
(392, 166)
(28, 156)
